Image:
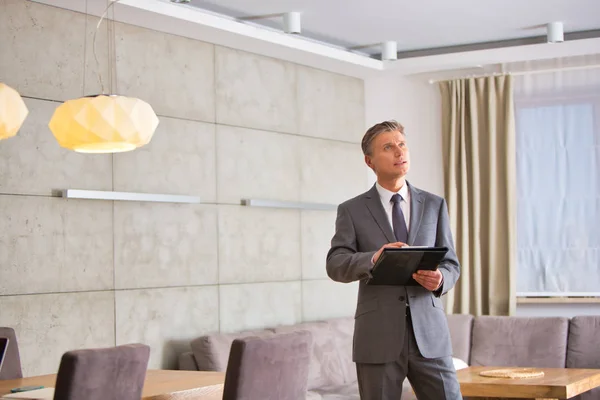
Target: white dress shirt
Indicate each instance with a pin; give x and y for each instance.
(388, 205)
(386, 200)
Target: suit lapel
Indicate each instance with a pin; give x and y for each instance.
(416, 212)
(376, 208)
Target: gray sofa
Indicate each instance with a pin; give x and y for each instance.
(484, 341)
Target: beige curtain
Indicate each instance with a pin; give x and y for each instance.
(478, 132)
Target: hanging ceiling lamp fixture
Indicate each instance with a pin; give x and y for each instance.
(103, 123)
(13, 111)
(292, 21)
(555, 32)
(389, 50)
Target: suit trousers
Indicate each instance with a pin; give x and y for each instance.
(430, 378)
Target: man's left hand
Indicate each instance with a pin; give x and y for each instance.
(430, 280)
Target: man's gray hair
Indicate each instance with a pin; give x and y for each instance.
(376, 130)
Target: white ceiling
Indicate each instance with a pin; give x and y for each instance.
(356, 24)
(418, 24)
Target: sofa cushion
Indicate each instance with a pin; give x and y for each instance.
(520, 342)
(583, 348)
(459, 364)
(187, 362)
(311, 395)
(212, 351)
(461, 326)
(325, 363)
(343, 330)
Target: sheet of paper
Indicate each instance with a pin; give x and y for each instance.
(37, 394)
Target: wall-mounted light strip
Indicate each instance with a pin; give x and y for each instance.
(288, 204)
(126, 196)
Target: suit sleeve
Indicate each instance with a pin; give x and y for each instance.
(344, 262)
(449, 266)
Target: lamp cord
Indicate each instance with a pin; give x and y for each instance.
(85, 48)
(110, 4)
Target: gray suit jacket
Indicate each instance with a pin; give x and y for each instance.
(362, 227)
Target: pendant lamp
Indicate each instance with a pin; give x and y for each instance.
(103, 123)
(13, 111)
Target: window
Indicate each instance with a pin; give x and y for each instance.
(558, 195)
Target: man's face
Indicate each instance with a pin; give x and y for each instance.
(389, 157)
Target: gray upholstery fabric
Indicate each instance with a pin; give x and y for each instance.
(519, 342)
(11, 369)
(495, 341)
(343, 330)
(461, 326)
(310, 395)
(339, 392)
(187, 362)
(269, 368)
(115, 373)
(212, 351)
(583, 348)
(350, 392)
(325, 366)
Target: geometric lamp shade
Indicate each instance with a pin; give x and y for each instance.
(12, 111)
(103, 124)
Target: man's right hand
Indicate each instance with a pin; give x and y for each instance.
(387, 246)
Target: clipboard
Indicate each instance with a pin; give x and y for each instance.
(395, 266)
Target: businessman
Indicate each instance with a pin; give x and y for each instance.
(400, 331)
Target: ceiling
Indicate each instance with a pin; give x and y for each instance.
(468, 34)
(418, 25)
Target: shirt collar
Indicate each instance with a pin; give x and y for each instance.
(386, 195)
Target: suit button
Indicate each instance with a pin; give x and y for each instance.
(401, 298)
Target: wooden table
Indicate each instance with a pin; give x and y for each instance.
(159, 384)
(557, 383)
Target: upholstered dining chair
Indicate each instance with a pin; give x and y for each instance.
(268, 368)
(115, 373)
(11, 367)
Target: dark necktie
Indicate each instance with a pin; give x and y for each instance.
(398, 222)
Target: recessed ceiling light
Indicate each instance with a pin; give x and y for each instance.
(180, 1)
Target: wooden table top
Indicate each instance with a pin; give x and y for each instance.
(159, 384)
(557, 383)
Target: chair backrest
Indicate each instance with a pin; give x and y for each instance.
(583, 348)
(520, 342)
(103, 374)
(461, 330)
(11, 367)
(268, 368)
